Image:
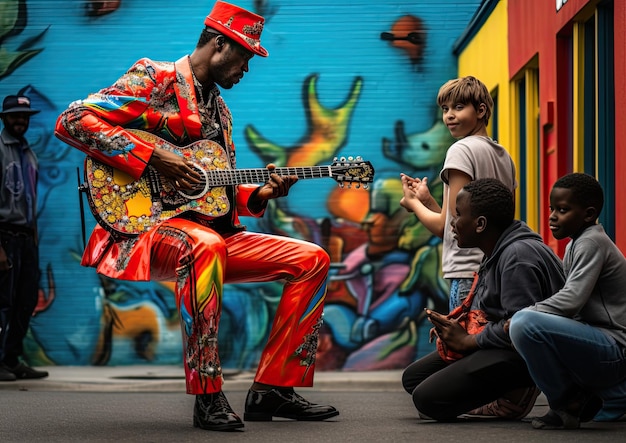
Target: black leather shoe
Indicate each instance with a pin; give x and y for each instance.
(6, 375)
(213, 412)
(285, 403)
(24, 371)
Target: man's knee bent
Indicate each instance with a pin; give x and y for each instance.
(408, 382)
(315, 258)
(523, 322)
(428, 405)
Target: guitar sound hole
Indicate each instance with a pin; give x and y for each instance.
(201, 188)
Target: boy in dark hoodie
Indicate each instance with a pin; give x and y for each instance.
(517, 271)
(574, 342)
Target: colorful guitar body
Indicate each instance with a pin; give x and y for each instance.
(130, 207)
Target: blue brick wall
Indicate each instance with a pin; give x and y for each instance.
(327, 60)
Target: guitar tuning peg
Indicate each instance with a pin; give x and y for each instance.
(343, 159)
(341, 185)
(350, 158)
(358, 185)
(334, 159)
(359, 158)
(366, 186)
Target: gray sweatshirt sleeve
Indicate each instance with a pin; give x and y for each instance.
(583, 265)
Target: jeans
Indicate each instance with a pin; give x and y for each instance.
(613, 403)
(459, 290)
(565, 356)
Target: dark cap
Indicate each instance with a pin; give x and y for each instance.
(17, 103)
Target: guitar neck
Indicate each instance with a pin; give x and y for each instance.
(261, 175)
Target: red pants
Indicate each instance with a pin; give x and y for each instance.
(201, 261)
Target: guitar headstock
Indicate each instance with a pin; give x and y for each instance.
(352, 170)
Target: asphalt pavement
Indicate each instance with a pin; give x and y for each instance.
(149, 404)
(172, 379)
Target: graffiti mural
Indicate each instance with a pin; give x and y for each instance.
(347, 80)
(382, 286)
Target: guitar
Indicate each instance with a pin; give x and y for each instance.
(130, 207)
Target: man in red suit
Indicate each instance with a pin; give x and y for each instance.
(180, 103)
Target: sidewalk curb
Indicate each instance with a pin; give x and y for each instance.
(171, 379)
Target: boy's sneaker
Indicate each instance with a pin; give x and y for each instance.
(505, 408)
(582, 409)
(556, 420)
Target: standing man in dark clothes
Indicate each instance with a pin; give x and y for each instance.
(19, 251)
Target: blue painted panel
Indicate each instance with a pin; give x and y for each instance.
(336, 45)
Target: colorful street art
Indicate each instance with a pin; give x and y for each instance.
(342, 80)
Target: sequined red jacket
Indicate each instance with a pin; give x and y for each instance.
(157, 97)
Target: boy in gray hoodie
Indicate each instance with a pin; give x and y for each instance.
(574, 342)
(518, 270)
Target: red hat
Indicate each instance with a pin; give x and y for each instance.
(241, 25)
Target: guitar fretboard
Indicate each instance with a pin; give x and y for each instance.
(261, 175)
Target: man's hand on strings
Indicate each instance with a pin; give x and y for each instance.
(276, 186)
(175, 168)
